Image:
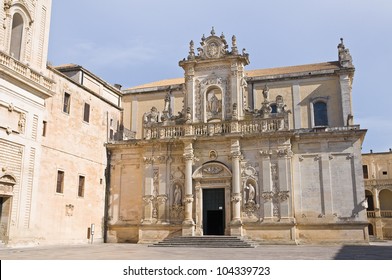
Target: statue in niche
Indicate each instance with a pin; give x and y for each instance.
(214, 105)
(177, 195)
(251, 193)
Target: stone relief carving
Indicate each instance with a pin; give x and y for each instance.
(213, 155)
(212, 169)
(69, 209)
(152, 116)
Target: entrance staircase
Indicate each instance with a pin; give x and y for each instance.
(209, 241)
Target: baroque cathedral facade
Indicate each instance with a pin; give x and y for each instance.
(269, 154)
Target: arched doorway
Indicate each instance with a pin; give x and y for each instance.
(213, 189)
(7, 183)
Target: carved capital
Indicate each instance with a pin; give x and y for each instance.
(188, 199)
(162, 198)
(283, 195)
(350, 156)
(148, 160)
(236, 198)
(267, 195)
(148, 199)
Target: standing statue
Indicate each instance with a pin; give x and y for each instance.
(177, 195)
(251, 193)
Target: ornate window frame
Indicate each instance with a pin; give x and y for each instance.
(311, 109)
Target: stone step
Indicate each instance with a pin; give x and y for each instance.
(217, 241)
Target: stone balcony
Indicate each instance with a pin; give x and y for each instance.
(245, 127)
(23, 72)
(379, 213)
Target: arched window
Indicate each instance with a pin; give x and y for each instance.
(16, 36)
(385, 197)
(320, 113)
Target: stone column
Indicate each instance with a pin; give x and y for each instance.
(236, 223)
(148, 191)
(267, 193)
(377, 212)
(188, 225)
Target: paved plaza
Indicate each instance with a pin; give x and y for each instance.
(374, 251)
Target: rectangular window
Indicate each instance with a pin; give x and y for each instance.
(81, 186)
(384, 173)
(60, 182)
(86, 115)
(111, 134)
(44, 124)
(67, 103)
(365, 172)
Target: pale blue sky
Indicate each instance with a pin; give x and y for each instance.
(135, 42)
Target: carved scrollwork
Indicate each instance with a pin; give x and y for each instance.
(162, 198)
(69, 208)
(283, 195)
(148, 199)
(267, 195)
(250, 207)
(236, 198)
(213, 169)
(148, 160)
(188, 199)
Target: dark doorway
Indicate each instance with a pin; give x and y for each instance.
(213, 211)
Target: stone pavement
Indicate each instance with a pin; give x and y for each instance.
(374, 251)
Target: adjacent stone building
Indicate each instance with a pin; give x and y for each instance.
(54, 122)
(377, 170)
(271, 154)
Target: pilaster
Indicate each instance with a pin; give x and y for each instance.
(188, 225)
(148, 197)
(236, 223)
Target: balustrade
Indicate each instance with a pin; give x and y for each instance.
(386, 213)
(24, 70)
(371, 214)
(162, 131)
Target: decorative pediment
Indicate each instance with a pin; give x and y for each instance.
(215, 47)
(212, 170)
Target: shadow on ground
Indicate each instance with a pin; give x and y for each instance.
(364, 253)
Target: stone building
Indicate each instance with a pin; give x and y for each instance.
(270, 154)
(54, 122)
(377, 170)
